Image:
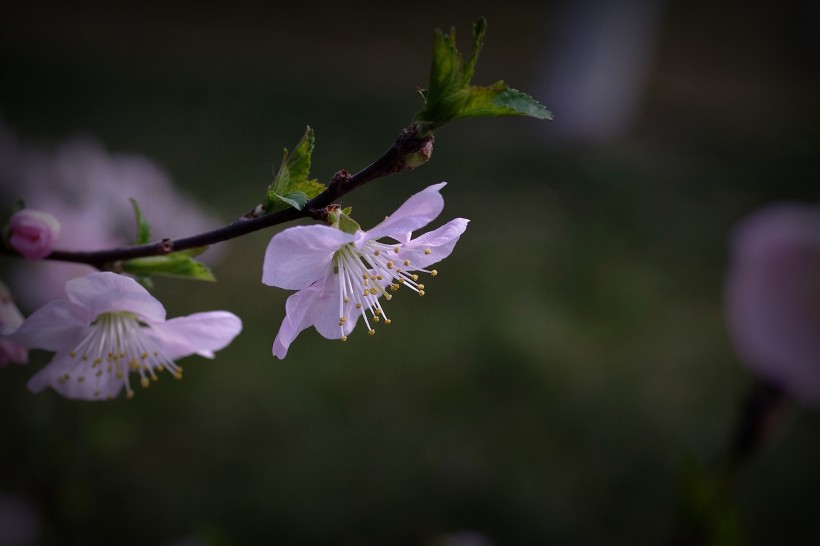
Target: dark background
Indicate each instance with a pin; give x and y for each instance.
(569, 362)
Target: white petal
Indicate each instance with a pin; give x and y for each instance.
(415, 213)
(440, 242)
(301, 311)
(301, 255)
(200, 333)
(93, 388)
(55, 326)
(106, 292)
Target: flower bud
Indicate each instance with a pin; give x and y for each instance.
(33, 233)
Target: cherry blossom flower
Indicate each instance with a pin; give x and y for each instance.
(33, 233)
(341, 272)
(10, 319)
(773, 297)
(109, 327)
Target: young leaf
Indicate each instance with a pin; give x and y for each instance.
(143, 229)
(178, 264)
(291, 186)
(451, 96)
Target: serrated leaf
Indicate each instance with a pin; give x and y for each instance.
(291, 186)
(143, 229)
(451, 96)
(177, 264)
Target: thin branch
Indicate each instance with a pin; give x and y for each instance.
(392, 161)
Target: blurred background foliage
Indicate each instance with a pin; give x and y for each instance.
(567, 364)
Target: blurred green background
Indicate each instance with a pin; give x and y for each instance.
(567, 364)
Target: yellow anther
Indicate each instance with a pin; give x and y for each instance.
(375, 318)
(414, 277)
(379, 277)
(396, 250)
(389, 265)
(376, 252)
(365, 276)
(421, 292)
(406, 262)
(178, 374)
(80, 379)
(387, 321)
(358, 306)
(433, 273)
(394, 287)
(371, 332)
(72, 354)
(145, 382)
(427, 251)
(85, 358)
(144, 356)
(129, 395)
(154, 377)
(421, 287)
(119, 374)
(366, 292)
(378, 311)
(97, 362)
(343, 338)
(347, 300)
(373, 290)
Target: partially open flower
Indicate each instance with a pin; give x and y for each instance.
(110, 327)
(773, 297)
(341, 272)
(10, 319)
(33, 233)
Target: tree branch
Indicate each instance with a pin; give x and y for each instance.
(394, 160)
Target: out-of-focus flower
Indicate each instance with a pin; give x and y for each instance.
(33, 233)
(87, 188)
(10, 319)
(340, 271)
(111, 326)
(20, 523)
(773, 297)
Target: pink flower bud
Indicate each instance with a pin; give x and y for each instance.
(33, 233)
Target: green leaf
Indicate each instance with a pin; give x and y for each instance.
(178, 264)
(451, 96)
(291, 186)
(143, 229)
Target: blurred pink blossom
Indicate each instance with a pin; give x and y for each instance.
(87, 188)
(33, 233)
(10, 319)
(773, 297)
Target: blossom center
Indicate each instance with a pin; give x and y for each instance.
(365, 275)
(116, 344)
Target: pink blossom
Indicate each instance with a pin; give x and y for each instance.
(110, 327)
(340, 274)
(773, 297)
(33, 233)
(10, 320)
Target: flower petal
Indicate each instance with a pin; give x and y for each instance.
(301, 255)
(440, 242)
(105, 292)
(53, 327)
(200, 333)
(101, 387)
(418, 211)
